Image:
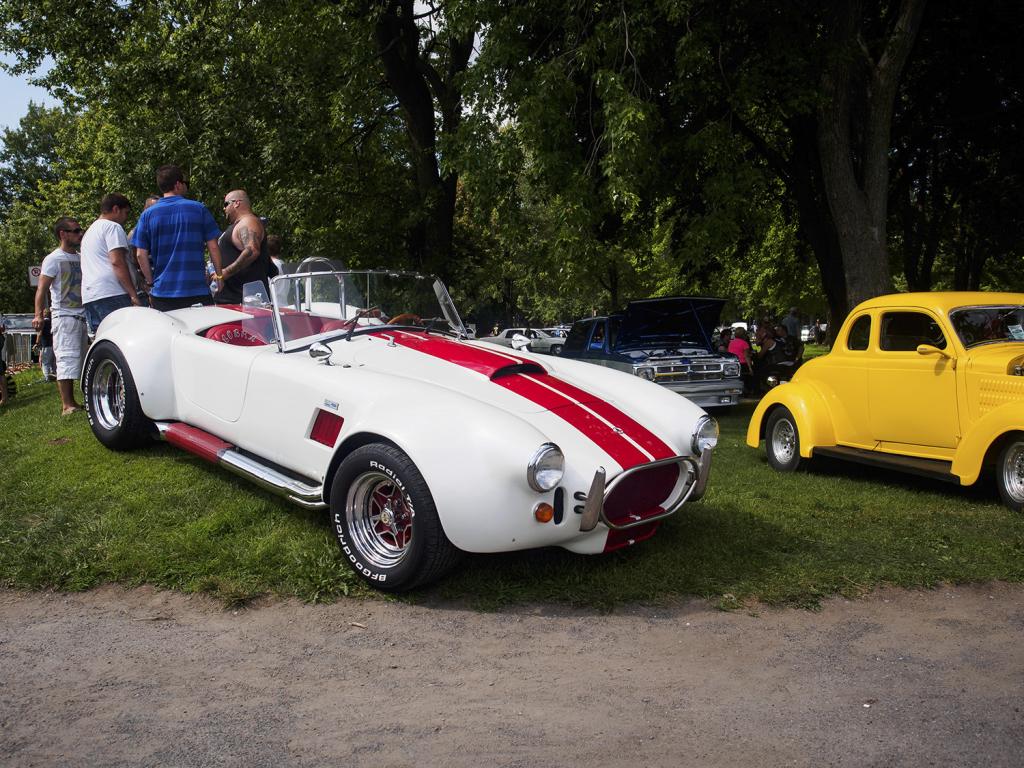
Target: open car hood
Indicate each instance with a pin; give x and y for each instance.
(678, 321)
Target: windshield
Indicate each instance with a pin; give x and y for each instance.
(318, 305)
(985, 325)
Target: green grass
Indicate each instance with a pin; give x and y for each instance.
(74, 515)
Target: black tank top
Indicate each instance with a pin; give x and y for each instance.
(258, 270)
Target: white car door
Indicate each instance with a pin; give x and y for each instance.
(211, 379)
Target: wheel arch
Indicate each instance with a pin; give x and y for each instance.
(484, 448)
(980, 447)
(143, 336)
(346, 447)
(813, 421)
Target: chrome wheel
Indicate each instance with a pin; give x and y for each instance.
(783, 440)
(379, 518)
(1012, 471)
(106, 395)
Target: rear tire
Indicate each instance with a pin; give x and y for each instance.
(1010, 474)
(782, 441)
(386, 522)
(112, 402)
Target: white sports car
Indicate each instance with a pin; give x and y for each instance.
(359, 393)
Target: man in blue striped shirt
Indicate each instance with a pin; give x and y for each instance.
(169, 241)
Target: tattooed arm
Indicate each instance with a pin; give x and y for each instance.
(248, 236)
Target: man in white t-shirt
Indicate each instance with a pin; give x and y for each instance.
(61, 275)
(106, 280)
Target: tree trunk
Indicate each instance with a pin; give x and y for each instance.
(855, 172)
(422, 93)
(816, 228)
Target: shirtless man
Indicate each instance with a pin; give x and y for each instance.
(243, 246)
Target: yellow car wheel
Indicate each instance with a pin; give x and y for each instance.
(1010, 475)
(782, 441)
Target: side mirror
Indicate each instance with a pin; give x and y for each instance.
(320, 351)
(930, 349)
(520, 342)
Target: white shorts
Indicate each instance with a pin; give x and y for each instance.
(70, 340)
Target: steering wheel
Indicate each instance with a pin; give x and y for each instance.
(406, 318)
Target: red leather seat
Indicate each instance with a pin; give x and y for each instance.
(237, 334)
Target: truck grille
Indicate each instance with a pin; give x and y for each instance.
(676, 372)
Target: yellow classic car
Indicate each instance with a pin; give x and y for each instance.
(929, 383)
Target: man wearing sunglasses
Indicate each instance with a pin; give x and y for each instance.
(61, 275)
(243, 247)
(169, 240)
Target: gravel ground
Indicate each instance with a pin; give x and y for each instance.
(143, 677)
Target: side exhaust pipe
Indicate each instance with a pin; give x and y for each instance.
(266, 476)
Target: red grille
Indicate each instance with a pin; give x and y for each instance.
(641, 494)
(326, 428)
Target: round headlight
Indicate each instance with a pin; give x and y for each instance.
(731, 369)
(645, 373)
(772, 381)
(546, 468)
(705, 436)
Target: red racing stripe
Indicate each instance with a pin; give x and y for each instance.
(637, 431)
(605, 437)
(567, 402)
(465, 355)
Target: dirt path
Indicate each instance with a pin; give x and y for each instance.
(141, 677)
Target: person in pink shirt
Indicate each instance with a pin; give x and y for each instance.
(740, 347)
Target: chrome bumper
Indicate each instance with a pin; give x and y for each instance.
(693, 487)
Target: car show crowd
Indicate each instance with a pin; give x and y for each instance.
(175, 257)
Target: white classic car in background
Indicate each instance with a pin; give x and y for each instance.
(358, 393)
(538, 340)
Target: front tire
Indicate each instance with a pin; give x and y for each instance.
(112, 402)
(386, 522)
(782, 441)
(1010, 474)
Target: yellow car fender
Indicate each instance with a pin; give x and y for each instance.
(970, 454)
(813, 421)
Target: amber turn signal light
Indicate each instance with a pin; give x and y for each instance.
(544, 512)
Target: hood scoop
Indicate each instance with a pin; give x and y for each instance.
(513, 369)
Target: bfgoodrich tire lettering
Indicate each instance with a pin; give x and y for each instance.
(112, 402)
(782, 441)
(385, 520)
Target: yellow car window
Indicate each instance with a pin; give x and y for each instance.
(860, 334)
(905, 331)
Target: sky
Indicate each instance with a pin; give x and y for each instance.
(15, 94)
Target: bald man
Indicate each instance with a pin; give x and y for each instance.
(243, 247)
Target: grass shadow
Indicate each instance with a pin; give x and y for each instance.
(706, 551)
(982, 491)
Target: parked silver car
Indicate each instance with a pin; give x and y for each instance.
(539, 341)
